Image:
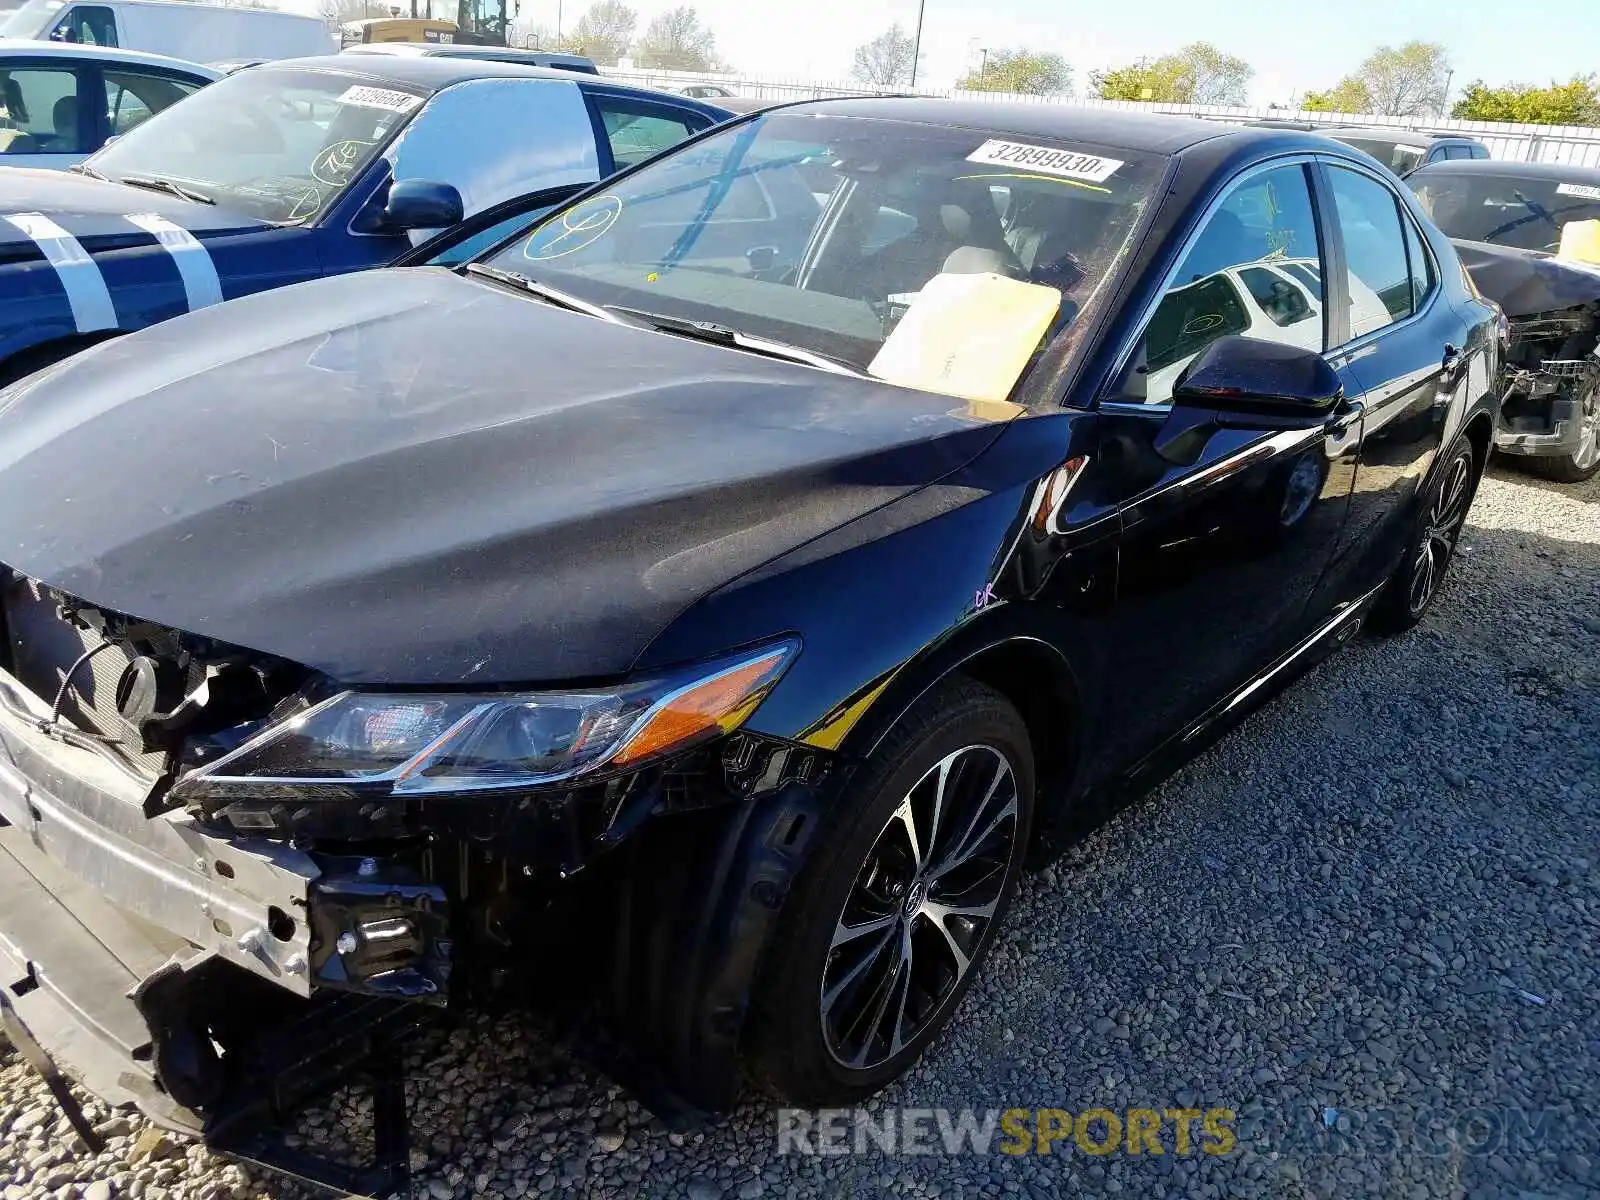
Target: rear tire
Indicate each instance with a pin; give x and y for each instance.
(892, 916)
(1411, 589)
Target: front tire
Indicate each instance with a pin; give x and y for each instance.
(897, 908)
(1411, 589)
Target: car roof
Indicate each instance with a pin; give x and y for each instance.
(26, 48)
(1151, 132)
(441, 71)
(463, 50)
(1401, 137)
(1500, 169)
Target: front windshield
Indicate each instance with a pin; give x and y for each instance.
(1398, 158)
(824, 232)
(1527, 214)
(32, 19)
(278, 143)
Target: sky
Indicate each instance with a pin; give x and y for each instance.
(1294, 47)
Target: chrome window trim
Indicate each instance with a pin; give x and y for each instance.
(1357, 344)
(1119, 364)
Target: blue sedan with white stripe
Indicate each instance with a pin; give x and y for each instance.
(296, 170)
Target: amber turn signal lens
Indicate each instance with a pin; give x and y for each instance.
(704, 709)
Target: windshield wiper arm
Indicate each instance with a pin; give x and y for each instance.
(158, 183)
(544, 292)
(724, 335)
(86, 169)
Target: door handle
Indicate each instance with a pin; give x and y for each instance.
(1340, 426)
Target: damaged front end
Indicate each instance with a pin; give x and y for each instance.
(1551, 398)
(1551, 383)
(224, 879)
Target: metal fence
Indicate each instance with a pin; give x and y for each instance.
(1575, 144)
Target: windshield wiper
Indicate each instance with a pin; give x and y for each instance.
(724, 335)
(158, 183)
(86, 169)
(544, 292)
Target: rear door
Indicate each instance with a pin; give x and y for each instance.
(1401, 341)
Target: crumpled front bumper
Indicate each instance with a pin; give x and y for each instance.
(1543, 411)
(97, 900)
(1558, 435)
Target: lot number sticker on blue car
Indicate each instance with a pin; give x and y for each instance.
(1582, 190)
(1046, 160)
(372, 97)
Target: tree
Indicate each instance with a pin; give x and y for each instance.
(676, 41)
(1349, 95)
(1573, 103)
(1197, 74)
(1021, 71)
(1410, 81)
(886, 60)
(603, 32)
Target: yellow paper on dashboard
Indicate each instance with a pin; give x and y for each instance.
(967, 335)
(1580, 242)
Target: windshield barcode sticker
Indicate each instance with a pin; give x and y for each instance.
(1047, 160)
(1582, 190)
(371, 97)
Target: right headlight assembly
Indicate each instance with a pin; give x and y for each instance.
(419, 744)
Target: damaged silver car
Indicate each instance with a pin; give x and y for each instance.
(1507, 220)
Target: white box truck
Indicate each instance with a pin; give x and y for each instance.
(199, 32)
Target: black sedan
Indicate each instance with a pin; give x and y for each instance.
(716, 595)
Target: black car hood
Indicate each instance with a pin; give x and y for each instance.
(409, 477)
(91, 209)
(1524, 282)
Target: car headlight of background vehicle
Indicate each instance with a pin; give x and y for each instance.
(417, 744)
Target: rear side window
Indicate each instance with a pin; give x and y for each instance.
(1378, 279)
(133, 98)
(638, 131)
(1480, 152)
(39, 111)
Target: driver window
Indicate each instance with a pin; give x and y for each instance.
(1255, 270)
(39, 112)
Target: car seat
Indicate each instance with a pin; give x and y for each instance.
(64, 117)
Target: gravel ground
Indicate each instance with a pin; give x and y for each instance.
(1366, 919)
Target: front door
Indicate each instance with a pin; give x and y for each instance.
(47, 113)
(1226, 534)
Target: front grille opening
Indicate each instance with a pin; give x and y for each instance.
(128, 683)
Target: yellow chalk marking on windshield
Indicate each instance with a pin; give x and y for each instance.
(1088, 187)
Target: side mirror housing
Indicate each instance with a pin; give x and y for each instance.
(1246, 382)
(421, 204)
(1255, 377)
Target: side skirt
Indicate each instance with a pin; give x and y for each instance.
(1105, 799)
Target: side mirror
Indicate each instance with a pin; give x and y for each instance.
(421, 204)
(1240, 381)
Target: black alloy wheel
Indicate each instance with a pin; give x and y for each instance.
(1412, 589)
(903, 895)
(921, 904)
